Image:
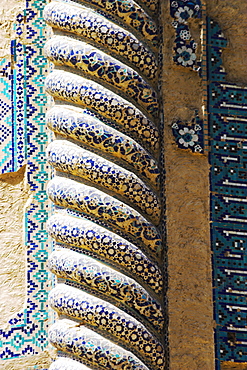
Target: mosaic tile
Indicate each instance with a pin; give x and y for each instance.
(189, 136)
(76, 89)
(106, 318)
(6, 162)
(227, 130)
(90, 201)
(77, 341)
(78, 234)
(109, 248)
(96, 278)
(22, 106)
(84, 127)
(102, 67)
(131, 14)
(73, 160)
(184, 46)
(102, 33)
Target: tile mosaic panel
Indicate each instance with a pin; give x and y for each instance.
(184, 45)
(107, 221)
(228, 159)
(189, 136)
(25, 137)
(7, 137)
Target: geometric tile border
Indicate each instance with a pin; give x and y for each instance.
(24, 138)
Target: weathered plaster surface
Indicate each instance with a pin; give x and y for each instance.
(41, 361)
(187, 191)
(232, 18)
(14, 195)
(9, 9)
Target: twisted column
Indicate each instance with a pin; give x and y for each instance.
(108, 256)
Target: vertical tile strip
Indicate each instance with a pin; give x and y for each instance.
(23, 100)
(228, 152)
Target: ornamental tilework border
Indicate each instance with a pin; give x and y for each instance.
(228, 159)
(24, 138)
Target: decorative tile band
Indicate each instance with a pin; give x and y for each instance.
(103, 34)
(81, 125)
(24, 136)
(228, 159)
(71, 88)
(96, 204)
(106, 190)
(93, 348)
(73, 160)
(109, 321)
(82, 234)
(99, 279)
(94, 63)
(131, 14)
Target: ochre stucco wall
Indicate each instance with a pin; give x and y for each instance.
(40, 361)
(187, 208)
(14, 195)
(232, 18)
(187, 190)
(9, 9)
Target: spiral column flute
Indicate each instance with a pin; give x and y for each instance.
(108, 256)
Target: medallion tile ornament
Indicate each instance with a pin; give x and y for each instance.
(185, 47)
(189, 136)
(108, 256)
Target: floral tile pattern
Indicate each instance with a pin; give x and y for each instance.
(189, 137)
(185, 47)
(106, 189)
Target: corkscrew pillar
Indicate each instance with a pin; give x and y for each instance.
(107, 223)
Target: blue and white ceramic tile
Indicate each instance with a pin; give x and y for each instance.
(185, 47)
(23, 107)
(228, 159)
